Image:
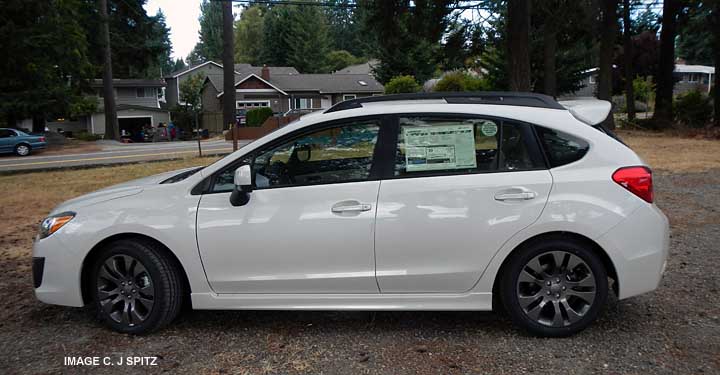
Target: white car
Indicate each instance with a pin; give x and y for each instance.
(483, 201)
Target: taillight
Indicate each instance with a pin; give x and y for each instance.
(42, 139)
(638, 180)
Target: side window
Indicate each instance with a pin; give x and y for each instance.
(6, 133)
(519, 150)
(334, 155)
(561, 148)
(436, 145)
(225, 180)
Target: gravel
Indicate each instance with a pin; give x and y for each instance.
(675, 329)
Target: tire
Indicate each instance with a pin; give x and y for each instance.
(22, 149)
(576, 293)
(136, 289)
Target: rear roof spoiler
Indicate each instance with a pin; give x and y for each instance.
(589, 111)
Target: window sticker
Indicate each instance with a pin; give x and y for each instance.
(430, 148)
(488, 128)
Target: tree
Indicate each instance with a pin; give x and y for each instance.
(111, 121)
(608, 33)
(696, 34)
(337, 60)
(628, 51)
(518, 44)
(307, 38)
(407, 38)
(345, 27)
(228, 56)
(663, 115)
(45, 60)
(210, 46)
(139, 42)
(402, 85)
(249, 37)
(715, 25)
(461, 81)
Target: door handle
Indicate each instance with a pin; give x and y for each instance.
(350, 206)
(515, 195)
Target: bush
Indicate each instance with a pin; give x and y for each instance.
(257, 116)
(643, 89)
(402, 84)
(85, 136)
(693, 109)
(461, 81)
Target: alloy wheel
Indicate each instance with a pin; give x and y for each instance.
(125, 290)
(556, 288)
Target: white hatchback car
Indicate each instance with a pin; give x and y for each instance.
(481, 201)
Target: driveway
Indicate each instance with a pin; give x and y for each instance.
(117, 153)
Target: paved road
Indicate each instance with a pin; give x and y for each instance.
(116, 154)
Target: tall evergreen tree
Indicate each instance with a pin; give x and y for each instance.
(345, 27)
(518, 44)
(407, 38)
(45, 62)
(210, 45)
(665, 81)
(249, 35)
(308, 39)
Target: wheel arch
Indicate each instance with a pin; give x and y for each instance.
(95, 251)
(563, 235)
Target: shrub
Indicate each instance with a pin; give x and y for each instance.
(693, 109)
(643, 89)
(85, 136)
(461, 81)
(257, 116)
(402, 84)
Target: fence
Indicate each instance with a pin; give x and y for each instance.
(255, 132)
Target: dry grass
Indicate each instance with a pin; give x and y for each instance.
(674, 154)
(28, 197)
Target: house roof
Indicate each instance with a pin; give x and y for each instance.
(364, 68)
(188, 69)
(327, 83)
(682, 68)
(130, 83)
(245, 69)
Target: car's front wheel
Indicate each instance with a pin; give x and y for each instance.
(555, 287)
(136, 288)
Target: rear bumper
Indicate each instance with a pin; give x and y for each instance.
(638, 248)
(38, 146)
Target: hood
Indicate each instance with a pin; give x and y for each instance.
(121, 190)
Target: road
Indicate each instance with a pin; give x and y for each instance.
(116, 154)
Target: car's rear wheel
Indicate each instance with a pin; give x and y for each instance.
(136, 288)
(554, 287)
(22, 150)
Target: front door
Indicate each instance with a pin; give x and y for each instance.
(461, 187)
(309, 224)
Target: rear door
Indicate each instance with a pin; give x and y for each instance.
(459, 188)
(7, 140)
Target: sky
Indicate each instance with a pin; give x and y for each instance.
(182, 19)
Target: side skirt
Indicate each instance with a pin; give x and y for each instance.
(368, 302)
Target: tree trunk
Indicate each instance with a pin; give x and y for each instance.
(549, 60)
(228, 65)
(111, 122)
(518, 44)
(628, 52)
(608, 30)
(663, 116)
(716, 97)
(38, 123)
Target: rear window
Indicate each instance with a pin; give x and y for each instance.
(561, 148)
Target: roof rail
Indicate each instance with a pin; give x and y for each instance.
(523, 99)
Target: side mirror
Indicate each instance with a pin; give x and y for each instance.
(243, 186)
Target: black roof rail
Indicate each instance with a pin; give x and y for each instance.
(523, 99)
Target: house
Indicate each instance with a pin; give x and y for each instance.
(284, 91)
(138, 103)
(214, 71)
(687, 78)
(693, 77)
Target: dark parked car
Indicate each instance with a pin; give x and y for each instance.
(19, 142)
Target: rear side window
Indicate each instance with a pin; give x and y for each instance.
(448, 145)
(561, 148)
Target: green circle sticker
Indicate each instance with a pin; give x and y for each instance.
(488, 128)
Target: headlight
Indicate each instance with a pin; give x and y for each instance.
(51, 224)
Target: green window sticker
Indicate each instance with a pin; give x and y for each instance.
(488, 128)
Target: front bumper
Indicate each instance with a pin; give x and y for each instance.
(638, 248)
(59, 283)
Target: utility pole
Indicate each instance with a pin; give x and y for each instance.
(111, 122)
(228, 59)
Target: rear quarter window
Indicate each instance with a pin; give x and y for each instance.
(561, 148)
